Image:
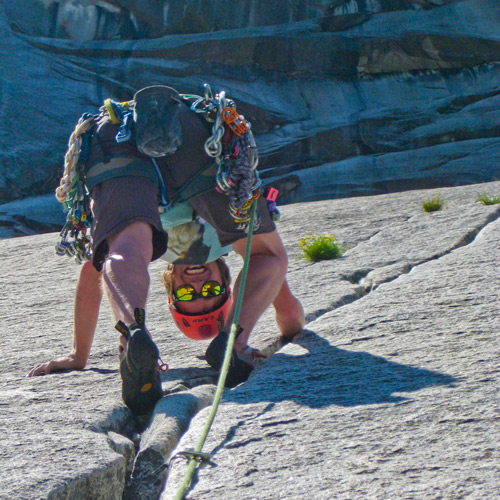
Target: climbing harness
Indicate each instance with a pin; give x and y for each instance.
(196, 456)
(231, 144)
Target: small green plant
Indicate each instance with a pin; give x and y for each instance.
(488, 200)
(433, 204)
(318, 247)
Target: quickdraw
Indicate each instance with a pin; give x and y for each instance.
(72, 192)
(233, 147)
(74, 240)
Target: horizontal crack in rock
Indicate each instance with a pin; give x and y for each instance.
(358, 277)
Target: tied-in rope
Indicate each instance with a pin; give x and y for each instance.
(196, 455)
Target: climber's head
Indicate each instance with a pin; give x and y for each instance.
(199, 297)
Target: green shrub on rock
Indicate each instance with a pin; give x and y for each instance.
(485, 199)
(433, 204)
(318, 247)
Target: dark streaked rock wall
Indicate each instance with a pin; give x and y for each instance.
(346, 97)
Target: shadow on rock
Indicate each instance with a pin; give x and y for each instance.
(327, 375)
(186, 378)
(102, 371)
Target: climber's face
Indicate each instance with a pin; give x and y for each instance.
(156, 116)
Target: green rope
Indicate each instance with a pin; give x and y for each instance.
(196, 455)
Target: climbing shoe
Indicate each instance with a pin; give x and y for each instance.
(141, 384)
(238, 371)
(214, 355)
(241, 364)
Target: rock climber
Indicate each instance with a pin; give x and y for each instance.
(188, 242)
(127, 234)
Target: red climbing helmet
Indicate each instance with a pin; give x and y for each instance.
(202, 326)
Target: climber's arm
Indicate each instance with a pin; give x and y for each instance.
(88, 296)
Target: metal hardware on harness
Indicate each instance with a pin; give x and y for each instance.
(74, 240)
(213, 145)
(120, 114)
(72, 192)
(233, 147)
(238, 177)
(244, 215)
(205, 105)
(234, 121)
(214, 108)
(241, 213)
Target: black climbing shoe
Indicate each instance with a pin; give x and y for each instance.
(214, 355)
(240, 366)
(238, 372)
(141, 384)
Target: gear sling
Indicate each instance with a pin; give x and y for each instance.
(231, 145)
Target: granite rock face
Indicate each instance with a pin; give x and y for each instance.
(346, 98)
(391, 391)
(33, 215)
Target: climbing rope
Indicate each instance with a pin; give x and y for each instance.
(69, 178)
(196, 455)
(73, 194)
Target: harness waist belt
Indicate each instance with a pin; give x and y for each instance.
(119, 167)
